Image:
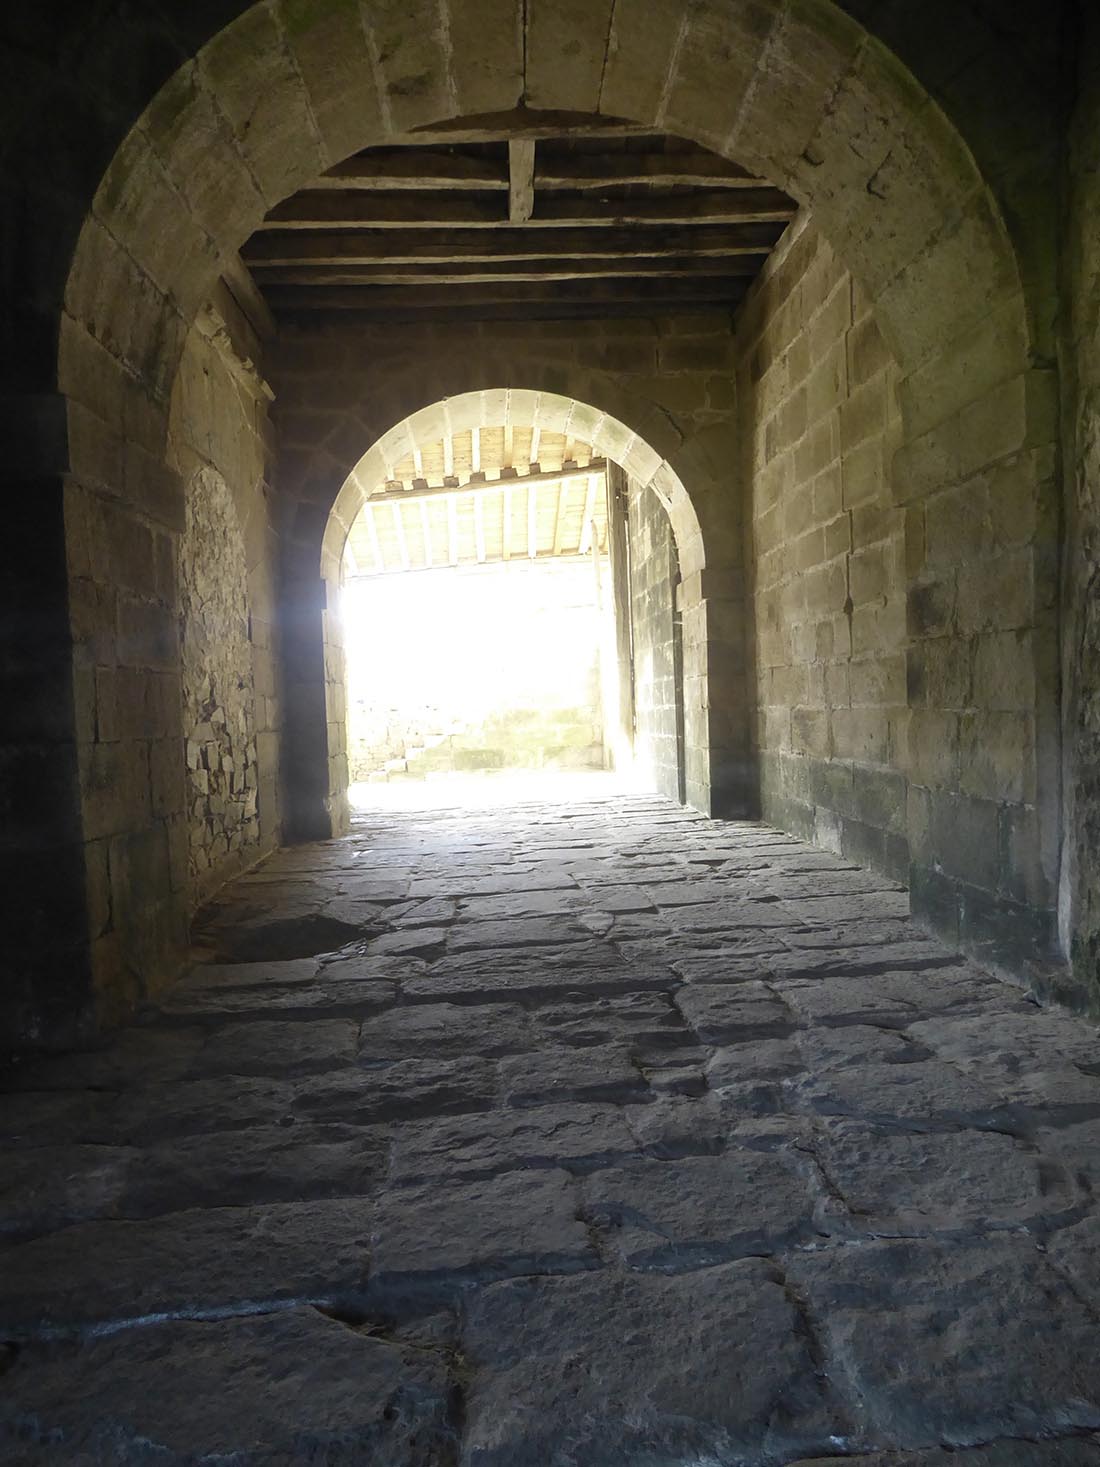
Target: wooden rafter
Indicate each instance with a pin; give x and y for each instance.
(484, 486)
(277, 248)
(521, 180)
(361, 209)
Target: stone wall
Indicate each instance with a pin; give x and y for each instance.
(816, 394)
(654, 391)
(226, 587)
(1079, 896)
(658, 671)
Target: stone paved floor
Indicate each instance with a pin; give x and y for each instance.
(603, 1136)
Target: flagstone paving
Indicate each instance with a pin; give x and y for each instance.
(600, 1135)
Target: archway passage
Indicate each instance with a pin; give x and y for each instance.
(667, 725)
(794, 103)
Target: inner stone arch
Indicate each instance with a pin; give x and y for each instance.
(696, 596)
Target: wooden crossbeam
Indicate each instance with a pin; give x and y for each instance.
(474, 246)
(589, 507)
(658, 170)
(459, 273)
(375, 544)
(484, 486)
(536, 439)
(475, 450)
(561, 516)
(521, 180)
(426, 530)
(521, 122)
(413, 168)
(716, 289)
(399, 530)
(348, 209)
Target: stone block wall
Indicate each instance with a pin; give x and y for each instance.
(1079, 895)
(826, 557)
(226, 576)
(658, 671)
(643, 390)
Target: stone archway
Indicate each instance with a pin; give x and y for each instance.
(799, 93)
(716, 706)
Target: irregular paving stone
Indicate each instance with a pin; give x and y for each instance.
(445, 1029)
(955, 1343)
(878, 906)
(54, 1117)
(562, 901)
(401, 1090)
(926, 1091)
(438, 912)
(719, 1013)
(489, 977)
(135, 1054)
(1076, 1253)
(697, 1210)
(1001, 1454)
(191, 1107)
(248, 975)
(855, 1044)
(1012, 1041)
(409, 942)
(759, 1059)
(295, 1163)
(186, 1263)
(47, 1187)
(596, 1072)
(430, 1238)
(357, 997)
(296, 1047)
(638, 1018)
(895, 999)
(899, 1182)
(576, 1136)
(708, 1367)
(496, 884)
(275, 939)
(206, 1391)
(513, 932)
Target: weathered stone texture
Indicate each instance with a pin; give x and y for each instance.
(791, 1180)
(816, 391)
(226, 592)
(657, 649)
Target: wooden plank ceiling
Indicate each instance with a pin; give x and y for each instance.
(537, 215)
(464, 501)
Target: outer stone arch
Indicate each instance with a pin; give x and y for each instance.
(716, 703)
(794, 89)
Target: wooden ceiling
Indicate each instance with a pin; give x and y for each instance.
(534, 216)
(519, 516)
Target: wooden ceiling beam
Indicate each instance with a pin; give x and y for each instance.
(522, 122)
(403, 169)
(645, 305)
(514, 271)
(517, 294)
(655, 170)
(342, 209)
(470, 246)
(521, 181)
(482, 486)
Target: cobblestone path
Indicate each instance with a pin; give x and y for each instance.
(600, 1136)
